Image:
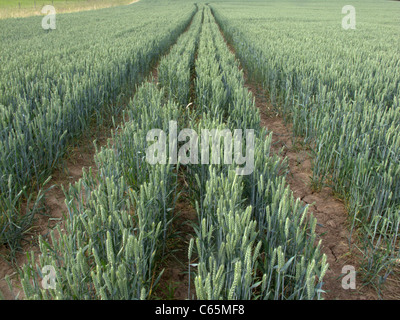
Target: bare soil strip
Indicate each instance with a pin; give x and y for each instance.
(70, 171)
(176, 283)
(332, 217)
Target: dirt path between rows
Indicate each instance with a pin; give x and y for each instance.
(175, 283)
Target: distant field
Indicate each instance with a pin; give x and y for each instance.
(32, 3)
(25, 8)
